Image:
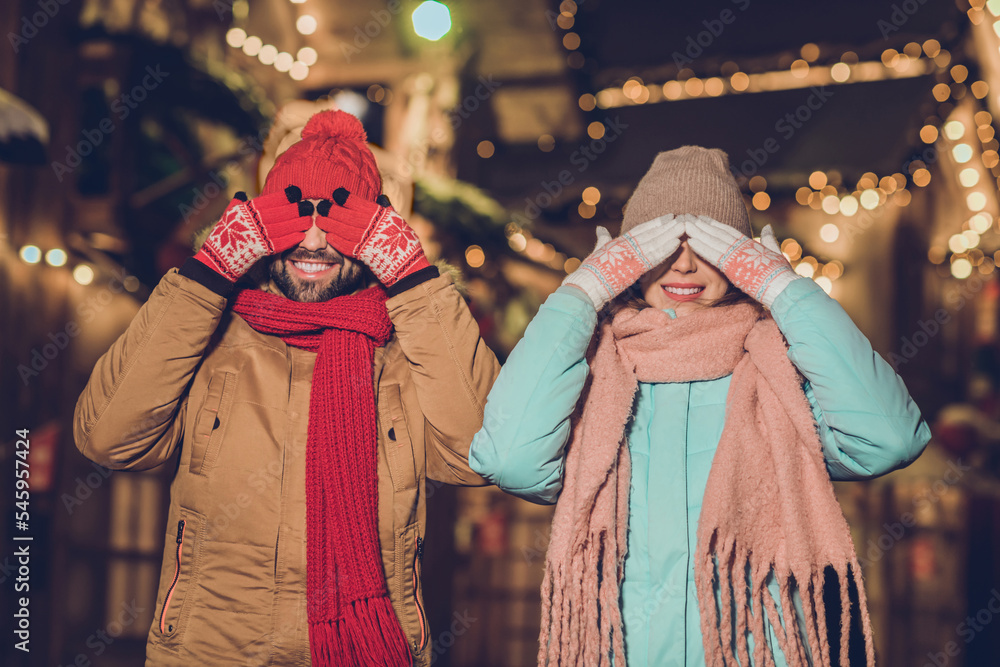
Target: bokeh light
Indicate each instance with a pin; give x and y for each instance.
(31, 254)
(431, 20)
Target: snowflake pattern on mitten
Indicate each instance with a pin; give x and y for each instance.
(237, 241)
(618, 264)
(390, 248)
(751, 266)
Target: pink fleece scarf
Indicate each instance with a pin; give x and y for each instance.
(768, 506)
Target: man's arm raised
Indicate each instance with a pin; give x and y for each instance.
(130, 415)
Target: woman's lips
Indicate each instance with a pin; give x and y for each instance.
(682, 291)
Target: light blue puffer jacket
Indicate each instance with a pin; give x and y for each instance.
(868, 425)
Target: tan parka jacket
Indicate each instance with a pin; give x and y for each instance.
(190, 374)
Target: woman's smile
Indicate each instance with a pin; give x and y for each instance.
(672, 283)
(683, 291)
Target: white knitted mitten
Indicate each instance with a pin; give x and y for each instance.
(617, 263)
(759, 269)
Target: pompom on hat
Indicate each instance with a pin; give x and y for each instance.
(333, 153)
(692, 180)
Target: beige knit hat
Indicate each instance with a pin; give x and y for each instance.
(689, 179)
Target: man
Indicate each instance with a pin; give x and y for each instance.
(308, 411)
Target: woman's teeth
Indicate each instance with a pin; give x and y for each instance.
(311, 267)
(683, 290)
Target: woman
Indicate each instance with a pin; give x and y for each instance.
(690, 458)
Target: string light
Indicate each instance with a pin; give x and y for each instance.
(306, 24)
(299, 71)
(252, 45)
(801, 74)
(297, 66)
(236, 37)
(307, 56)
(283, 62)
(268, 54)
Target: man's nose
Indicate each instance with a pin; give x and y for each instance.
(315, 238)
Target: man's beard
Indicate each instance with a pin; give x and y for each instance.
(347, 280)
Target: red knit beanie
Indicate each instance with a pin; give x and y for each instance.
(333, 153)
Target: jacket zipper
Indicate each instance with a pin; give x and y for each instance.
(416, 597)
(177, 574)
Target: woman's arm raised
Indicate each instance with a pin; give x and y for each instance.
(526, 424)
(867, 421)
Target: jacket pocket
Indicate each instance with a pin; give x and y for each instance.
(210, 423)
(398, 443)
(184, 547)
(418, 556)
(410, 606)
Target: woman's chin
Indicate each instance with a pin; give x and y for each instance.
(684, 307)
(679, 307)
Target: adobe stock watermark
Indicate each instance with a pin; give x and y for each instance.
(864, 221)
(911, 345)
(696, 44)
(967, 630)
(31, 25)
(218, 179)
(121, 107)
(85, 487)
(223, 8)
(416, 156)
(265, 483)
(895, 531)
(899, 16)
(536, 550)
(786, 126)
(99, 641)
(581, 158)
(7, 569)
(460, 624)
(58, 341)
(363, 35)
(471, 102)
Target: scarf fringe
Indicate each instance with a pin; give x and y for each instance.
(725, 564)
(569, 636)
(367, 634)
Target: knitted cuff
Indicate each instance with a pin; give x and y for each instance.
(200, 273)
(412, 280)
(777, 286)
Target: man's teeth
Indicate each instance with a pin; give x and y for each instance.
(311, 267)
(683, 290)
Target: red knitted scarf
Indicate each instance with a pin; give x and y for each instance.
(351, 620)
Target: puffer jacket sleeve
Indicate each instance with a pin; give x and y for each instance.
(527, 424)
(867, 421)
(130, 414)
(451, 368)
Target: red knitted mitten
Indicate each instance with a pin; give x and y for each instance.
(249, 230)
(374, 233)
